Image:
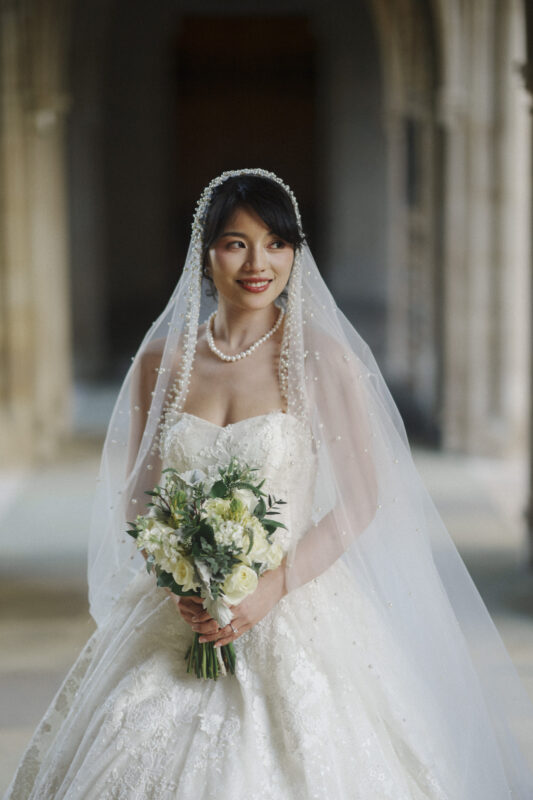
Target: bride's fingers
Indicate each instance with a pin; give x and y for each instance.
(203, 616)
(189, 602)
(196, 608)
(216, 635)
(192, 611)
(187, 617)
(206, 629)
(227, 639)
(228, 633)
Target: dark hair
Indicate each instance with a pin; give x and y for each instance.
(263, 196)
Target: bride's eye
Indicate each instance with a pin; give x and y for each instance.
(279, 244)
(236, 244)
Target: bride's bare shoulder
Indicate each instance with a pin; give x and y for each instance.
(337, 354)
(153, 352)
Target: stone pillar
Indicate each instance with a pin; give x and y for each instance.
(410, 66)
(528, 77)
(452, 101)
(34, 324)
(485, 231)
(468, 237)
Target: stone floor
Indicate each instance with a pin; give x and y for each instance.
(44, 619)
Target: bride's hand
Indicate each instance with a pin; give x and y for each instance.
(194, 614)
(270, 590)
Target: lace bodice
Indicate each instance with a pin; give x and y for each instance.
(278, 444)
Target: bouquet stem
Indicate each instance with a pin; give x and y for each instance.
(207, 661)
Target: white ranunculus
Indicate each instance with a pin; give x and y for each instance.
(241, 582)
(183, 574)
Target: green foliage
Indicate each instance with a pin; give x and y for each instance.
(219, 558)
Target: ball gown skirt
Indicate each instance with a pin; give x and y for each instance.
(323, 703)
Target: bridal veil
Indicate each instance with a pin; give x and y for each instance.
(370, 509)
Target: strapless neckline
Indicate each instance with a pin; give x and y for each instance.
(275, 412)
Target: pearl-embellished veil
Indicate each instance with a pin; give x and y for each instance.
(370, 509)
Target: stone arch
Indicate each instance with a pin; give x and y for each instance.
(466, 121)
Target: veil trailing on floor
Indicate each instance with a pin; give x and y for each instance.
(370, 510)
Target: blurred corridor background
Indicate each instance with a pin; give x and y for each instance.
(404, 128)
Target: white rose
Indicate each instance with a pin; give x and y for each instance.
(260, 547)
(183, 574)
(216, 509)
(247, 498)
(274, 556)
(239, 584)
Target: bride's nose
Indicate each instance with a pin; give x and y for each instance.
(256, 261)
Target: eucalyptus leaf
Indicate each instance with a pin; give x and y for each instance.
(271, 524)
(218, 489)
(250, 534)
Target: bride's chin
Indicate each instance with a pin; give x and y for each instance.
(254, 302)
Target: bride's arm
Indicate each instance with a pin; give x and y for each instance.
(143, 383)
(346, 455)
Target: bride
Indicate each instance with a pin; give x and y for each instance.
(368, 667)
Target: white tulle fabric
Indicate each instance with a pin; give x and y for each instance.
(309, 714)
(380, 674)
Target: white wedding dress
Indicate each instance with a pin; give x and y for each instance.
(316, 708)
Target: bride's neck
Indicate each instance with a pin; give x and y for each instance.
(237, 327)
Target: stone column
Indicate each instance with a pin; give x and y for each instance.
(466, 375)
(35, 325)
(528, 76)
(485, 253)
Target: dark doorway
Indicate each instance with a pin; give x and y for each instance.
(246, 98)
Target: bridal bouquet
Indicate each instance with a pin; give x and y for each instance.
(210, 534)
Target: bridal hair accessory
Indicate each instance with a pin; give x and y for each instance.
(368, 513)
(237, 357)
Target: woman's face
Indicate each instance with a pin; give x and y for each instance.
(249, 264)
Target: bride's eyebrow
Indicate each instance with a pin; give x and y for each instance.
(243, 235)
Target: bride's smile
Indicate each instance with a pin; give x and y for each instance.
(248, 263)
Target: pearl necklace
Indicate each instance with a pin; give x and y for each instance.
(214, 349)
